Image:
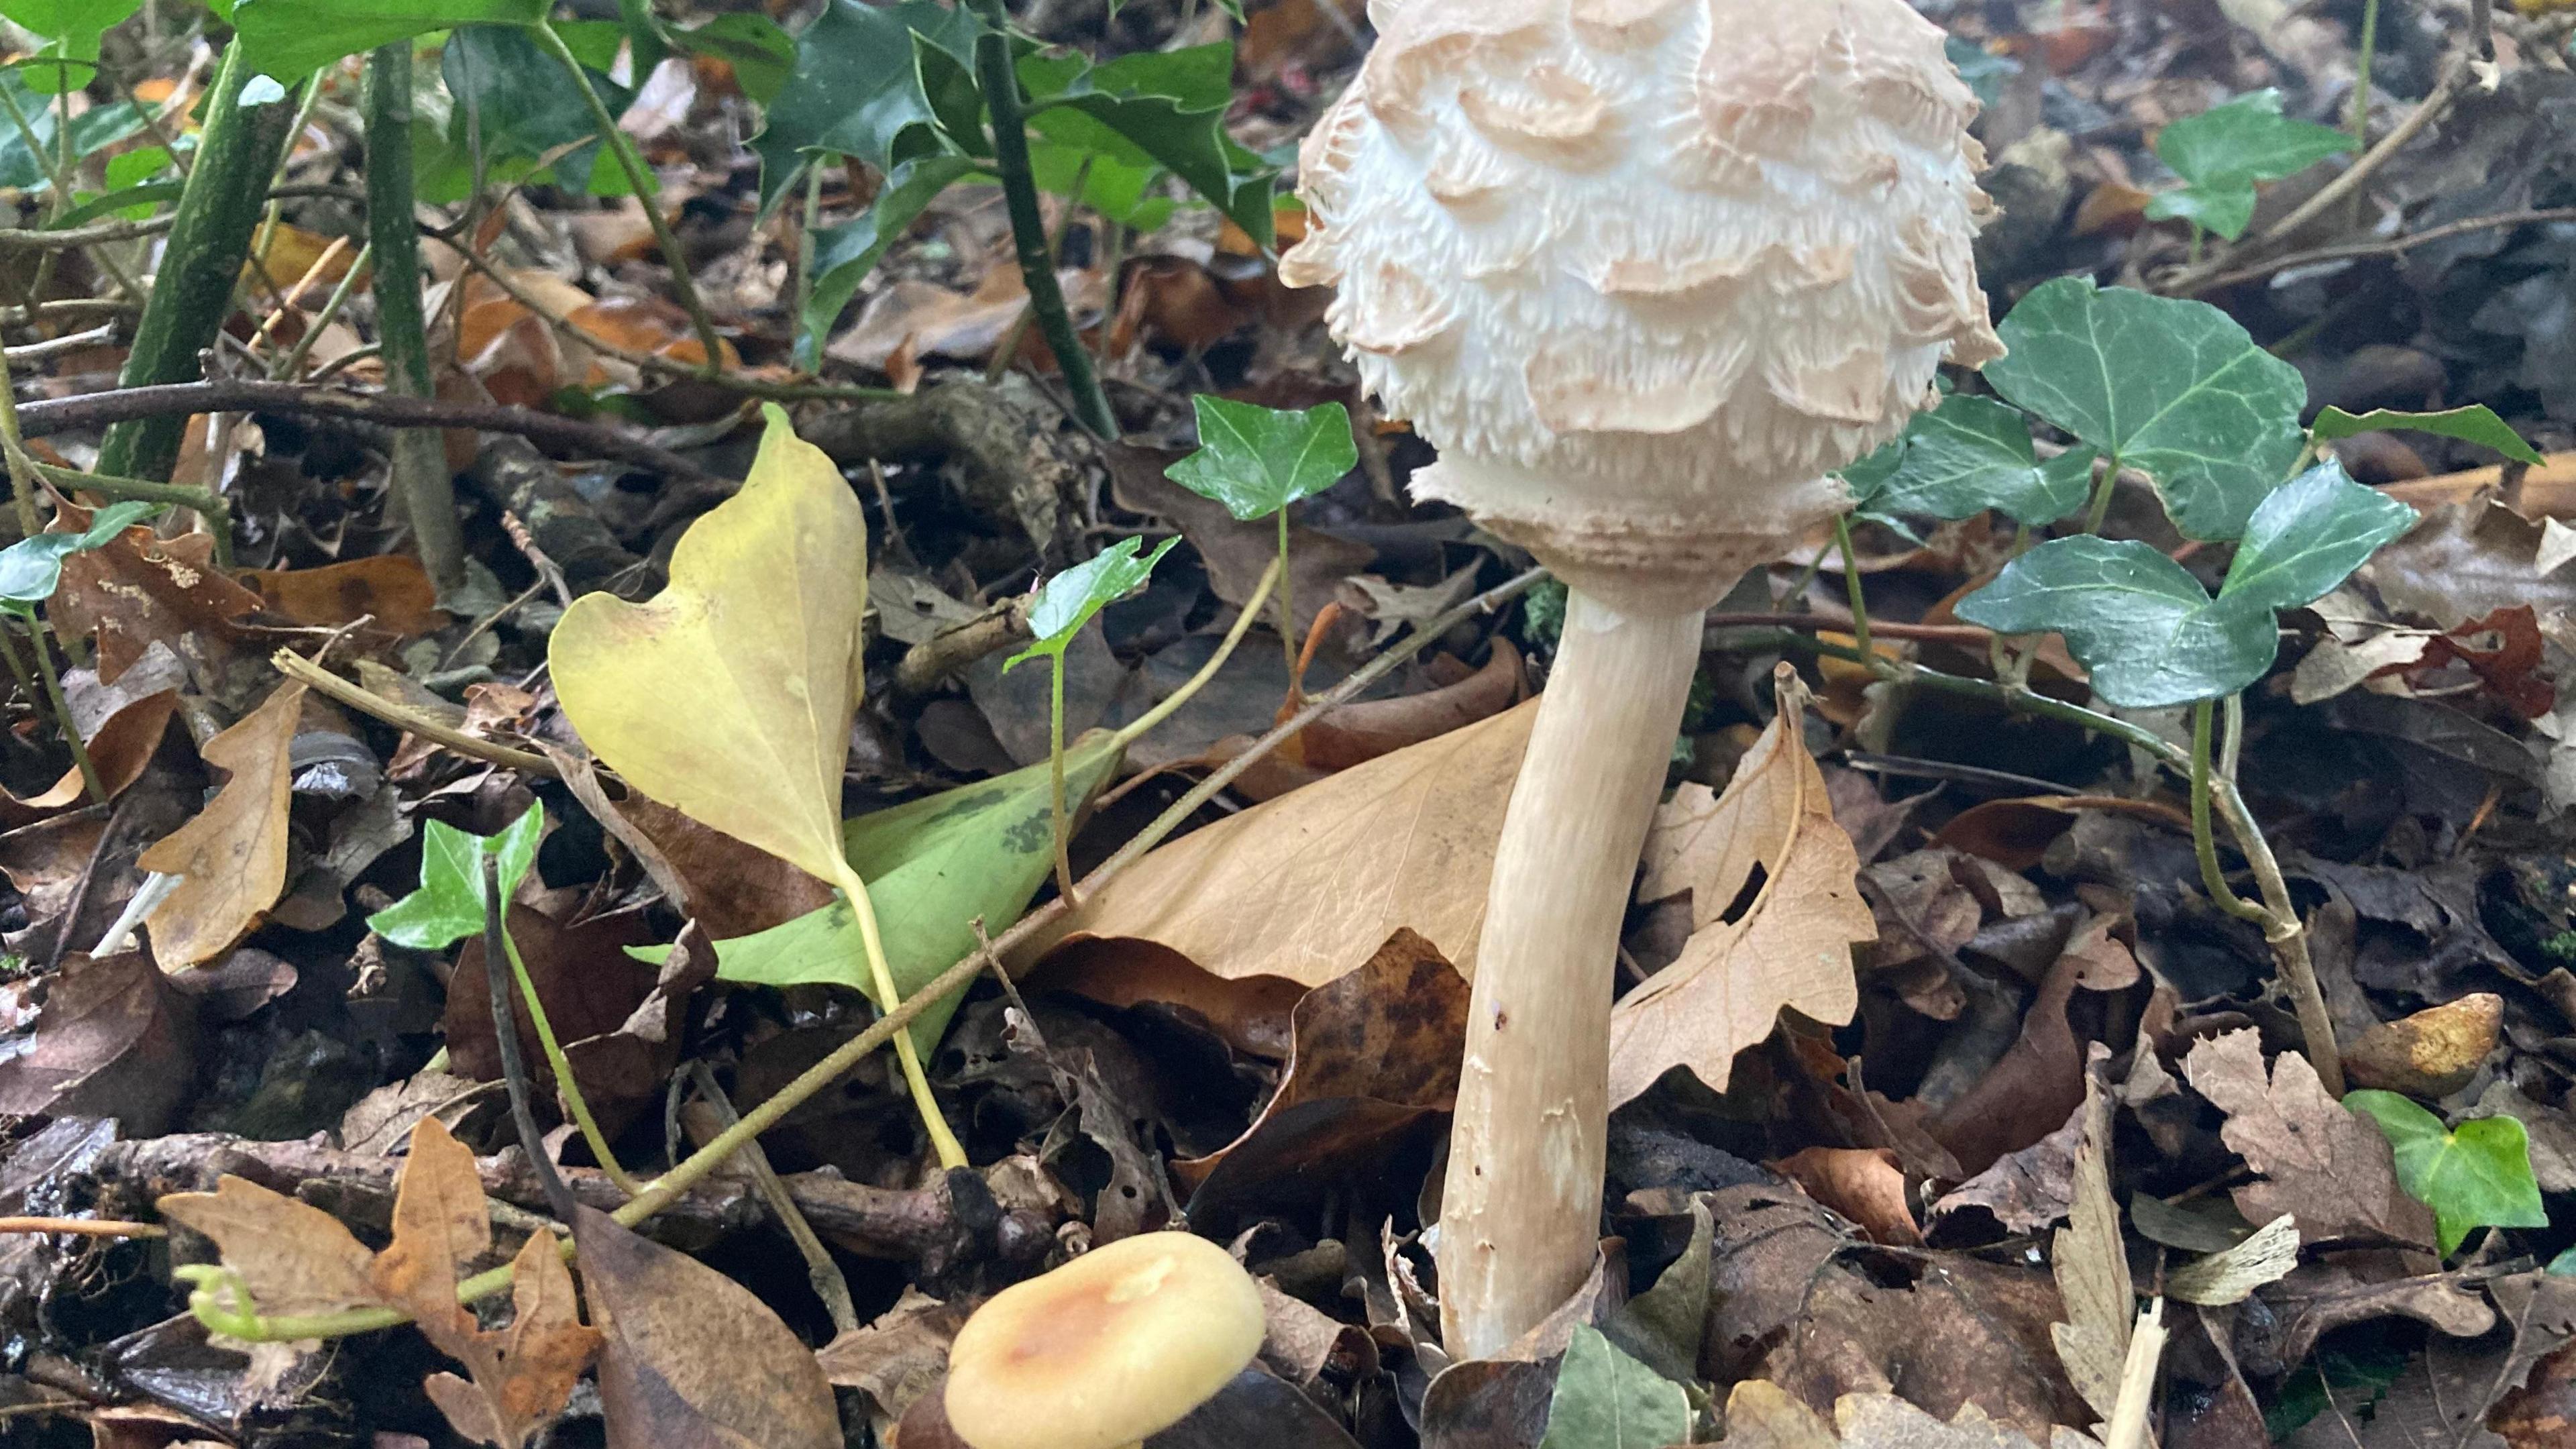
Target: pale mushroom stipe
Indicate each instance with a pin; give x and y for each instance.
(1646, 272)
(1119, 1343)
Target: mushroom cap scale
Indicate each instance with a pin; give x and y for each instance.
(1117, 1344)
(1646, 270)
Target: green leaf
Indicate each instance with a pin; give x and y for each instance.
(1070, 598)
(1258, 460)
(934, 867)
(854, 89)
(1972, 454)
(2173, 388)
(2223, 151)
(21, 168)
(2477, 425)
(291, 39)
(762, 55)
(2150, 634)
(448, 907)
(844, 255)
(1607, 1400)
(52, 18)
(32, 568)
(527, 109)
(1107, 111)
(2478, 1175)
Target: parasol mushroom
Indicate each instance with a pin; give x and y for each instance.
(1646, 272)
(1120, 1343)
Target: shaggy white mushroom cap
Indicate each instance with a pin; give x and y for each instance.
(1646, 270)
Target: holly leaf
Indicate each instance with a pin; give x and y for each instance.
(1163, 107)
(1971, 454)
(2477, 425)
(291, 39)
(32, 568)
(1258, 460)
(2475, 1175)
(855, 90)
(1606, 1400)
(1070, 598)
(2222, 152)
(508, 86)
(845, 254)
(762, 55)
(2173, 388)
(449, 905)
(2145, 628)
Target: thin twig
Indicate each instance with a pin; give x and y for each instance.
(505, 1032)
(2396, 246)
(829, 1283)
(409, 720)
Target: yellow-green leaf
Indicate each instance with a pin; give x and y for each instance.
(729, 696)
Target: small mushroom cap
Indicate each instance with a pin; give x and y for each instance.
(1646, 270)
(1115, 1345)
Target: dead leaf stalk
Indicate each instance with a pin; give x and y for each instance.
(673, 1185)
(505, 1032)
(84, 1227)
(409, 720)
(820, 1270)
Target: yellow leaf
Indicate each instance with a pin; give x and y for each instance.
(232, 857)
(729, 696)
(1790, 948)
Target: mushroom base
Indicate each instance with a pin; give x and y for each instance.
(1630, 540)
(1521, 1209)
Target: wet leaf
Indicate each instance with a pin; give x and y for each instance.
(759, 630)
(2477, 425)
(692, 1358)
(1969, 455)
(1258, 460)
(112, 1040)
(1071, 598)
(2173, 388)
(449, 907)
(2475, 1175)
(2224, 150)
(232, 857)
(1607, 1400)
(1790, 949)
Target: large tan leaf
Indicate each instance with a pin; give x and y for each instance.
(2092, 1268)
(293, 1257)
(728, 697)
(232, 857)
(1308, 884)
(1791, 948)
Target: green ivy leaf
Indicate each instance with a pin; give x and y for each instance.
(1070, 598)
(2477, 1175)
(2477, 425)
(1607, 1400)
(1258, 460)
(2224, 150)
(448, 907)
(32, 568)
(1971, 454)
(2150, 635)
(2173, 388)
(291, 39)
(21, 168)
(509, 86)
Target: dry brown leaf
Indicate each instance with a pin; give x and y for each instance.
(2322, 1164)
(1762, 1415)
(1306, 884)
(2092, 1268)
(692, 1358)
(123, 744)
(1864, 1184)
(113, 1040)
(232, 856)
(1790, 949)
(139, 589)
(391, 588)
(899, 1357)
(294, 1258)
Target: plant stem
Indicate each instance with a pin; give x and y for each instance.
(566, 1084)
(770, 1110)
(907, 1052)
(1130, 733)
(209, 242)
(2100, 508)
(615, 142)
(27, 685)
(1055, 770)
(53, 681)
(1001, 87)
(2212, 878)
(1287, 607)
(1851, 583)
(425, 489)
(2361, 75)
(505, 1038)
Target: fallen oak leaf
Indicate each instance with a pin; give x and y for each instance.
(2091, 1265)
(139, 588)
(2319, 1162)
(231, 859)
(1790, 949)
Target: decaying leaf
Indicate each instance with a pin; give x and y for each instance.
(2226, 1277)
(113, 1040)
(1761, 1415)
(759, 633)
(1791, 948)
(2092, 1268)
(232, 857)
(2321, 1163)
(140, 589)
(1304, 885)
(294, 1258)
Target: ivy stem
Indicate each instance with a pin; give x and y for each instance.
(53, 681)
(1851, 583)
(2212, 877)
(566, 1083)
(505, 1041)
(1287, 607)
(1055, 771)
(2100, 508)
(2361, 74)
(1001, 86)
(614, 141)
(907, 1054)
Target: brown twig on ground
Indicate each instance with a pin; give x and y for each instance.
(820, 1271)
(928, 664)
(84, 1227)
(411, 721)
(2395, 246)
(62, 415)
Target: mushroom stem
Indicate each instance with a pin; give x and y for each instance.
(1521, 1211)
